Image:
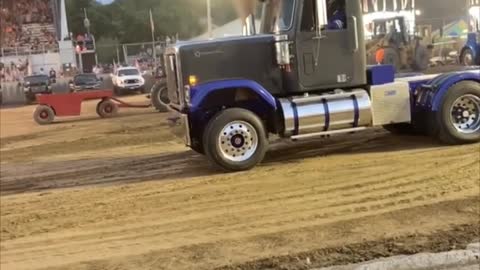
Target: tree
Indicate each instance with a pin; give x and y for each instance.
(128, 20)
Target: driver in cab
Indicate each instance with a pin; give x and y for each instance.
(337, 15)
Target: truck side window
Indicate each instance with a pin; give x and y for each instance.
(337, 18)
(308, 16)
(337, 15)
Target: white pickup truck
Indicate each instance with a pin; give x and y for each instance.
(127, 80)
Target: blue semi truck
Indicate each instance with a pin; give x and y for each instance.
(470, 54)
(298, 79)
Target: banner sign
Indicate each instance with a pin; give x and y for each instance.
(370, 6)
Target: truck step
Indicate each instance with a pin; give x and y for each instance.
(326, 133)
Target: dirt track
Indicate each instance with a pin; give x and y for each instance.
(125, 194)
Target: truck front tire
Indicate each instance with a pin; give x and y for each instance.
(458, 119)
(159, 97)
(466, 58)
(235, 140)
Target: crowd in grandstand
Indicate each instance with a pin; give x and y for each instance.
(13, 72)
(27, 24)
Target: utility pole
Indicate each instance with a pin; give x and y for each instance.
(209, 18)
(118, 55)
(154, 47)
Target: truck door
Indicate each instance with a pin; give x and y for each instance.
(335, 59)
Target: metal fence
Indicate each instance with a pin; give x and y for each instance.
(146, 54)
(23, 51)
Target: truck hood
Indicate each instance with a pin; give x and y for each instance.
(243, 57)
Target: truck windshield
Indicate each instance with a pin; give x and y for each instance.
(85, 79)
(128, 72)
(41, 79)
(277, 15)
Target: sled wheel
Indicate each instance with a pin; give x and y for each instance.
(43, 115)
(107, 109)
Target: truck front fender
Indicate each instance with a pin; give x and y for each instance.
(200, 92)
(438, 87)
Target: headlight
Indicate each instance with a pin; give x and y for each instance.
(142, 80)
(120, 82)
(192, 80)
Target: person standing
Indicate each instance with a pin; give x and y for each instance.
(53, 75)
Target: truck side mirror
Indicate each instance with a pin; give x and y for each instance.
(322, 17)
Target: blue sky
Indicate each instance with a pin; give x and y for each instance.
(105, 1)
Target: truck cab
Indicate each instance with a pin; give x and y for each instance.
(470, 54)
(304, 75)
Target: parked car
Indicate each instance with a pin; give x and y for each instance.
(87, 81)
(35, 84)
(128, 80)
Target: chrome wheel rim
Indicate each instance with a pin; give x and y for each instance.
(465, 114)
(238, 141)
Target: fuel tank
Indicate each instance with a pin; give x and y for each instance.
(328, 112)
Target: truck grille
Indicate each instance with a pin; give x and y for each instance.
(172, 79)
(132, 81)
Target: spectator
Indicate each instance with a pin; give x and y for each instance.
(53, 75)
(22, 19)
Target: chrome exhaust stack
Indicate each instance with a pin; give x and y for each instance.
(246, 13)
(249, 28)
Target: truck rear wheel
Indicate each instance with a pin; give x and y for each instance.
(235, 140)
(422, 58)
(458, 119)
(392, 57)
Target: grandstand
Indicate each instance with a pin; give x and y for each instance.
(35, 31)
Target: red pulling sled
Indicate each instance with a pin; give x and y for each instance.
(70, 104)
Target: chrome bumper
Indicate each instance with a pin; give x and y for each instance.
(186, 129)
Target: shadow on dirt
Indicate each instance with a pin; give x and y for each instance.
(20, 178)
(80, 119)
(66, 174)
(374, 141)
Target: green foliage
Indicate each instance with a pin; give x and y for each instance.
(107, 50)
(128, 21)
